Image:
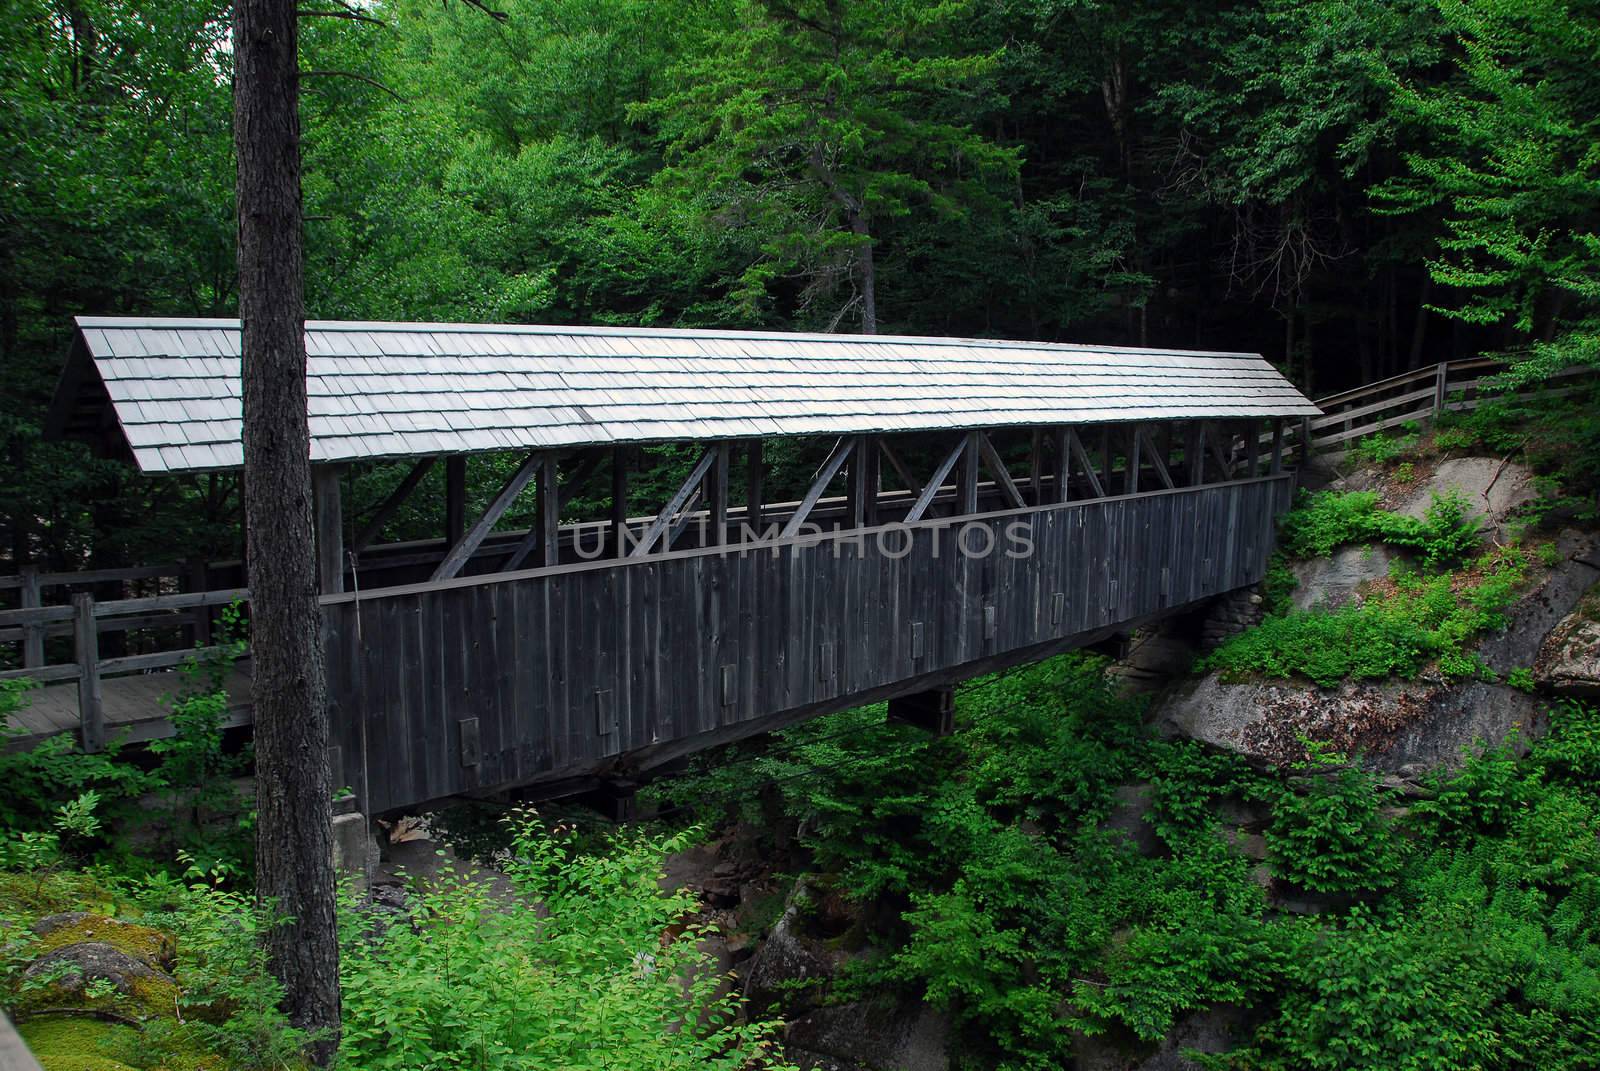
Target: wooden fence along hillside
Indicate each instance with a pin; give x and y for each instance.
(1417, 397)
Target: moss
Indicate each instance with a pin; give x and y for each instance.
(80, 1043)
(33, 896)
(144, 943)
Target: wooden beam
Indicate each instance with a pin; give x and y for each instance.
(830, 468)
(717, 495)
(1076, 445)
(755, 474)
(1277, 446)
(380, 516)
(548, 499)
(455, 498)
(91, 701)
(619, 497)
(1061, 458)
(1134, 462)
(967, 477)
(936, 481)
(1105, 456)
(902, 473)
(864, 480)
(534, 539)
(1194, 453)
(1212, 438)
(997, 469)
(329, 513)
(1252, 448)
(1157, 459)
(33, 634)
(663, 520)
(1036, 466)
(685, 516)
(471, 540)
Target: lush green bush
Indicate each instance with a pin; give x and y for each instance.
(1425, 620)
(1447, 533)
(589, 966)
(1329, 833)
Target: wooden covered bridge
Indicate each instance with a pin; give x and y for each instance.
(971, 505)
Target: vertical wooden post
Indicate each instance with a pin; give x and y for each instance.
(91, 703)
(1193, 454)
(455, 499)
(619, 500)
(1133, 460)
(717, 497)
(1305, 440)
(753, 479)
(1252, 448)
(1441, 377)
(548, 499)
(330, 528)
(33, 632)
(1063, 463)
(1105, 457)
(1277, 447)
(1036, 467)
(967, 477)
(872, 472)
(196, 577)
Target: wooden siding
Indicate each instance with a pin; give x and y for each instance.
(464, 685)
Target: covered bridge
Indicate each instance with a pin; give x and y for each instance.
(974, 504)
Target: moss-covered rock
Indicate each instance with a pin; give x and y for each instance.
(97, 977)
(147, 944)
(81, 1043)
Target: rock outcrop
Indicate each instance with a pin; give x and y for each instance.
(1397, 726)
(1568, 664)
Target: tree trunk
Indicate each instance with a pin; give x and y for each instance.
(294, 836)
(869, 277)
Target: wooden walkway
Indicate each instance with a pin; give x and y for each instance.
(136, 707)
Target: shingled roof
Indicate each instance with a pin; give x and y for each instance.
(386, 390)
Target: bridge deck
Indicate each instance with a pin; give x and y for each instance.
(136, 707)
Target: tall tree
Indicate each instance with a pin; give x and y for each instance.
(294, 836)
(812, 124)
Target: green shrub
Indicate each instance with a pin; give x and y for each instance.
(588, 979)
(1328, 831)
(1447, 533)
(1426, 620)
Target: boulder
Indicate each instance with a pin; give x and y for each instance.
(1568, 663)
(1336, 580)
(93, 974)
(1412, 725)
(1492, 487)
(792, 967)
(1537, 612)
(1214, 1030)
(870, 1035)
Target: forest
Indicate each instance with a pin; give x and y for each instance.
(1351, 188)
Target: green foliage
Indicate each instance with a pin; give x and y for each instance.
(1328, 831)
(1447, 534)
(588, 980)
(1424, 621)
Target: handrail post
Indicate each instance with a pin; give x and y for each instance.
(1441, 377)
(91, 703)
(196, 578)
(33, 632)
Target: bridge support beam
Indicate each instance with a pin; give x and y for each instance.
(933, 710)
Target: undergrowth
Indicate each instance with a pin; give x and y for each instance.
(1463, 933)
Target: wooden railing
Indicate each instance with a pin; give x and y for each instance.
(87, 619)
(1420, 396)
